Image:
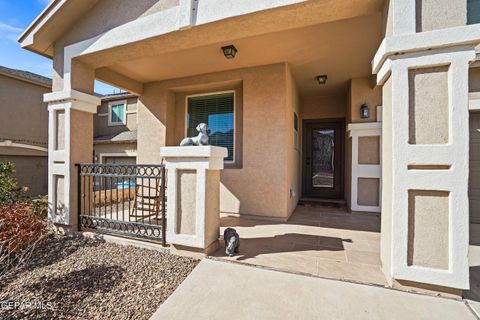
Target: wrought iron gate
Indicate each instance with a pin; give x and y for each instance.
(123, 199)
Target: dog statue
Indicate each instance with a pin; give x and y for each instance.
(232, 241)
(200, 140)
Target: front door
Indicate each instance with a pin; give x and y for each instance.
(323, 158)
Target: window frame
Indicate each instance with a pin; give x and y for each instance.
(116, 103)
(214, 93)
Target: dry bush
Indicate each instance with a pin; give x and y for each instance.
(20, 231)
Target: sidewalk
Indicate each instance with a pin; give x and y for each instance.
(223, 290)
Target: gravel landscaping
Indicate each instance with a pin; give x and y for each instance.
(75, 277)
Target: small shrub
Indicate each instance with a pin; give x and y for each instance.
(20, 231)
(10, 192)
(39, 206)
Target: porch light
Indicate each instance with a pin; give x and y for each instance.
(322, 79)
(229, 51)
(364, 111)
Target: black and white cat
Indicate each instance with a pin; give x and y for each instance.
(232, 241)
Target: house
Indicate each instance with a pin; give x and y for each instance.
(24, 127)
(368, 102)
(115, 129)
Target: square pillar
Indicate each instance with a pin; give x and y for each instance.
(193, 195)
(425, 167)
(70, 141)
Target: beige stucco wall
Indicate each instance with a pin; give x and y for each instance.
(387, 187)
(101, 126)
(31, 172)
(24, 116)
(369, 150)
(259, 187)
(428, 95)
(364, 90)
(116, 148)
(428, 229)
(186, 202)
(368, 191)
(24, 120)
(440, 14)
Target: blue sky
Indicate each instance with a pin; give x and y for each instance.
(15, 16)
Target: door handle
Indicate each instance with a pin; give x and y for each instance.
(307, 161)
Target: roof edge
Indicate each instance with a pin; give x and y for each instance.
(40, 17)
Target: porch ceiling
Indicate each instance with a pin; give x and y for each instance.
(342, 50)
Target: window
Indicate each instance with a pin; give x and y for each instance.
(217, 111)
(117, 113)
(473, 11)
(295, 131)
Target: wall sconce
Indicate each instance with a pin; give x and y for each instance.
(322, 79)
(364, 111)
(229, 51)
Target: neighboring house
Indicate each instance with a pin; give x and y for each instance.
(362, 102)
(24, 127)
(115, 129)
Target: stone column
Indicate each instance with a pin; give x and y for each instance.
(193, 196)
(70, 141)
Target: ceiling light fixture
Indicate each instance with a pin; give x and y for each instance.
(229, 51)
(322, 79)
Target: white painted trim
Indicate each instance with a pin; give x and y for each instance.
(435, 39)
(117, 103)
(9, 143)
(455, 153)
(126, 154)
(357, 130)
(234, 114)
(59, 161)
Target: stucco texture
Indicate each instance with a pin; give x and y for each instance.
(364, 90)
(428, 240)
(260, 186)
(31, 172)
(24, 120)
(440, 14)
(101, 127)
(24, 116)
(428, 95)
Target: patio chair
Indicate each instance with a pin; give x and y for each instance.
(147, 201)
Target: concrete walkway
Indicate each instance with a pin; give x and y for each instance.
(223, 290)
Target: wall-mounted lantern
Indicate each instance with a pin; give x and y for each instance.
(364, 111)
(229, 51)
(322, 79)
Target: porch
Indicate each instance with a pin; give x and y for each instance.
(322, 241)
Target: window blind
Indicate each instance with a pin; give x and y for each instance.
(217, 112)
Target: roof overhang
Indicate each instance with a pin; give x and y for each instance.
(52, 23)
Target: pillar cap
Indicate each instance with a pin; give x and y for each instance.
(194, 152)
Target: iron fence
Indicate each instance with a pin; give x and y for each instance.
(123, 199)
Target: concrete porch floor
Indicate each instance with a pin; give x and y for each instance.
(319, 241)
